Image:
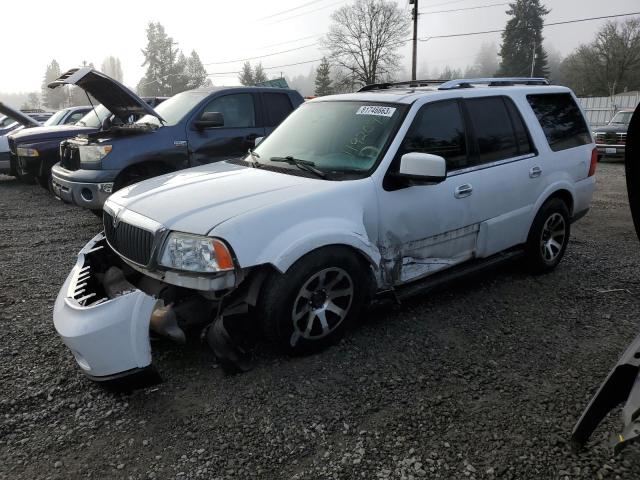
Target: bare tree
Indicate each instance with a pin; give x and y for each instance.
(608, 65)
(364, 38)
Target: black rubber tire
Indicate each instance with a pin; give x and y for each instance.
(25, 176)
(45, 182)
(279, 292)
(535, 259)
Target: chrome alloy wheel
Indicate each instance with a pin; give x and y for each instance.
(554, 234)
(322, 304)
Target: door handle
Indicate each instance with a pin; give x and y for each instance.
(535, 172)
(463, 191)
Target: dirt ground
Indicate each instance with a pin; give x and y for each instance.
(483, 379)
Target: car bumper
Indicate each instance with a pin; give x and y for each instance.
(582, 196)
(611, 150)
(108, 338)
(75, 187)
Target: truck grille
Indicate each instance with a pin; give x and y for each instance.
(69, 156)
(131, 242)
(611, 138)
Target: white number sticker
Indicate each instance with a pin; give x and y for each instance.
(376, 110)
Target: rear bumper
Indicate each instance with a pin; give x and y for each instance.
(582, 196)
(108, 339)
(77, 187)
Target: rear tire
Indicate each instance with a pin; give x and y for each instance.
(549, 236)
(310, 307)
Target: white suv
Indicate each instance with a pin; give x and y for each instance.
(387, 190)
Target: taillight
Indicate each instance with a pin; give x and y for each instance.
(594, 162)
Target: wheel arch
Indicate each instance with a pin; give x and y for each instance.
(154, 164)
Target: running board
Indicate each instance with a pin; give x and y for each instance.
(431, 282)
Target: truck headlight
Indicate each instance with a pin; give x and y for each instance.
(195, 253)
(93, 153)
(27, 152)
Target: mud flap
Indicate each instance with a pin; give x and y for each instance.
(622, 384)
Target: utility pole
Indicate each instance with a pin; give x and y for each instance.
(415, 38)
(533, 59)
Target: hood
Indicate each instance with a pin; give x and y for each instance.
(198, 199)
(18, 116)
(612, 129)
(43, 134)
(121, 101)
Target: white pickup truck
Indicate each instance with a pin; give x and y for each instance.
(351, 196)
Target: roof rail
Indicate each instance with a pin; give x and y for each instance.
(492, 82)
(408, 83)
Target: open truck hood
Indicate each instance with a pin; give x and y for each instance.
(18, 116)
(121, 101)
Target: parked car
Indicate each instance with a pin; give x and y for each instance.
(12, 121)
(192, 128)
(35, 151)
(387, 191)
(611, 139)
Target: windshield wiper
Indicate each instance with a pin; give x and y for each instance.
(306, 165)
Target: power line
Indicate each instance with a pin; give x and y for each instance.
(263, 56)
(466, 8)
(267, 68)
(290, 9)
(444, 3)
(317, 35)
(545, 25)
(306, 13)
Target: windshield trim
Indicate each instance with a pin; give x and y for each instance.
(337, 175)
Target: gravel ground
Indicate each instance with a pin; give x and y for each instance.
(483, 379)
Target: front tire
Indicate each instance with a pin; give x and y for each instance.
(310, 307)
(549, 236)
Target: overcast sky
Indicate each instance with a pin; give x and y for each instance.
(73, 31)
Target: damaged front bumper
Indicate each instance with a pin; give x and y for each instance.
(107, 336)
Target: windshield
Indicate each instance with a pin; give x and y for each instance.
(175, 108)
(338, 137)
(95, 118)
(623, 118)
(55, 119)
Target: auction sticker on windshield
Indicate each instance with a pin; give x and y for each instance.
(376, 110)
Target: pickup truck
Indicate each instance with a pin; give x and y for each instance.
(611, 139)
(192, 128)
(11, 121)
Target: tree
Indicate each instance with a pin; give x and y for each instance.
(33, 100)
(608, 65)
(112, 67)
(195, 72)
(160, 58)
(258, 74)
(522, 40)
(364, 37)
(323, 78)
(52, 98)
(246, 75)
(485, 63)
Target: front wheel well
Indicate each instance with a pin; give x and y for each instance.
(143, 170)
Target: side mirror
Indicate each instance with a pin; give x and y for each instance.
(258, 140)
(106, 124)
(209, 120)
(422, 168)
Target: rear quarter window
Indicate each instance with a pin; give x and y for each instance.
(278, 107)
(560, 119)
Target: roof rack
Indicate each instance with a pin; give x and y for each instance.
(408, 83)
(492, 82)
(459, 83)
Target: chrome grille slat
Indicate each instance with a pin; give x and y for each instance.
(132, 242)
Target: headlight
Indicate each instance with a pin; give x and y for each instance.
(27, 152)
(93, 153)
(195, 253)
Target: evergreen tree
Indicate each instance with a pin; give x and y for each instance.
(323, 79)
(246, 75)
(52, 98)
(160, 58)
(195, 71)
(112, 67)
(259, 74)
(522, 40)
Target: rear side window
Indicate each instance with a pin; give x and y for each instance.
(438, 129)
(278, 107)
(495, 130)
(560, 119)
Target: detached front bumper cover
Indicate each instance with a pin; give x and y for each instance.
(109, 338)
(622, 383)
